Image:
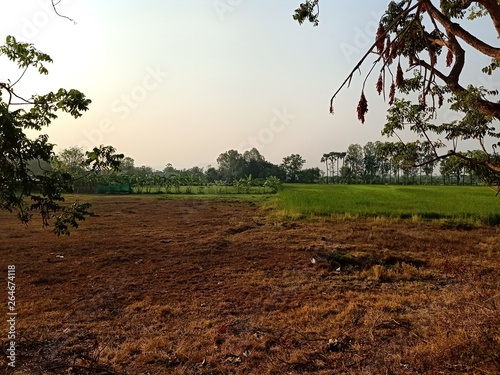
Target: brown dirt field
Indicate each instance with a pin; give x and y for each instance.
(206, 287)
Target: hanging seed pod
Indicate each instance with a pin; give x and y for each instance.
(362, 108)
(380, 39)
(449, 58)
(394, 50)
(392, 93)
(380, 84)
(399, 76)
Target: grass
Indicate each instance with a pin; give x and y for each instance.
(451, 204)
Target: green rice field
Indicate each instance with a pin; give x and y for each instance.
(471, 204)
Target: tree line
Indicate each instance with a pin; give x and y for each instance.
(242, 172)
(397, 163)
(374, 163)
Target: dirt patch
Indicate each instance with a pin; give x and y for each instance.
(156, 286)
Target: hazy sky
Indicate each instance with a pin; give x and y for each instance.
(181, 81)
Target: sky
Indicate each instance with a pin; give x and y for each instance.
(182, 81)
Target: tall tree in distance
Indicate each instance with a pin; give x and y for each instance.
(231, 165)
(293, 165)
(419, 48)
(325, 159)
(354, 163)
(71, 160)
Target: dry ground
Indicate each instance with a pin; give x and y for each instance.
(204, 287)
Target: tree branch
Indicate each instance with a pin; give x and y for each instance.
(60, 15)
(456, 29)
(493, 9)
(362, 60)
(473, 161)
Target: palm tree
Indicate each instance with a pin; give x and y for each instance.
(324, 159)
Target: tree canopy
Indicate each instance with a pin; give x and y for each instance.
(419, 50)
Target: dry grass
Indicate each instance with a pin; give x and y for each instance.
(192, 287)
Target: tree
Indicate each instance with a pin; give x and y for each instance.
(70, 160)
(19, 182)
(482, 172)
(231, 165)
(253, 155)
(331, 161)
(325, 159)
(452, 167)
(370, 161)
(212, 174)
(354, 161)
(309, 175)
(292, 165)
(431, 40)
(255, 164)
(384, 161)
(127, 165)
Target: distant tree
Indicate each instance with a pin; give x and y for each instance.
(71, 160)
(195, 171)
(292, 165)
(325, 159)
(127, 165)
(231, 165)
(482, 172)
(272, 170)
(212, 174)
(309, 175)
(371, 162)
(346, 175)
(253, 162)
(384, 161)
(354, 161)
(169, 170)
(427, 163)
(253, 155)
(453, 167)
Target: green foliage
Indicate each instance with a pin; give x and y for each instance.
(292, 165)
(495, 63)
(71, 160)
(70, 217)
(21, 182)
(25, 55)
(273, 184)
(307, 11)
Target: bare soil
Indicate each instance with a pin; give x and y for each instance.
(190, 286)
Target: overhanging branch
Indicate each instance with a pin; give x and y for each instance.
(457, 30)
